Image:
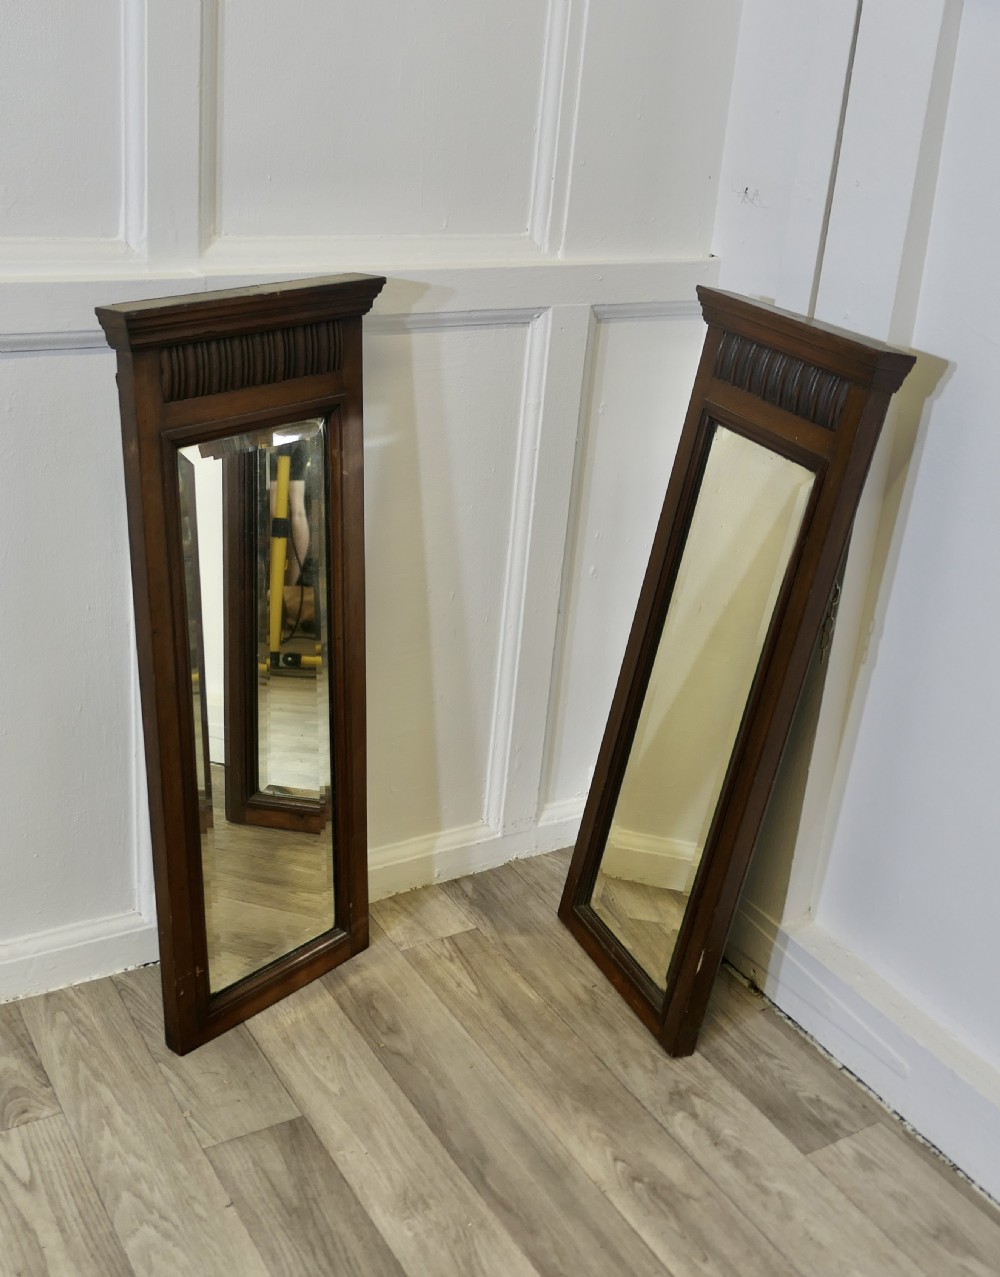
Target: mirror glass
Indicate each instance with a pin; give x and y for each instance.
(293, 757)
(739, 545)
(196, 639)
(268, 890)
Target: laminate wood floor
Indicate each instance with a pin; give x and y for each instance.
(466, 1098)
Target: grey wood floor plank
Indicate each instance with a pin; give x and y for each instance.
(666, 1196)
(757, 1167)
(25, 1092)
(941, 1166)
(427, 1211)
(558, 1216)
(298, 1208)
(51, 1218)
(226, 1088)
(165, 1202)
(418, 916)
(809, 1100)
(943, 1234)
(534, 882)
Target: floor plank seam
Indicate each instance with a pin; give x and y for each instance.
(464, 1104)
(842, 1068)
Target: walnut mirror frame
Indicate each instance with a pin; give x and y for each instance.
(211, 385)
(783, 421)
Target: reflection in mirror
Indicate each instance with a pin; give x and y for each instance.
(292, 694)
(741, 539)
(267, 890)
(196, 640)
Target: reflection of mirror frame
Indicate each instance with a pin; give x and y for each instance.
(192, 564)
(246, 803)
(190, 370)
(818, 396)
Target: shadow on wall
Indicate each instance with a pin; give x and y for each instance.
(904, 435)
(403, 784)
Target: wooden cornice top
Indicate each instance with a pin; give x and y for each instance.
(863, 360)
(168, 321)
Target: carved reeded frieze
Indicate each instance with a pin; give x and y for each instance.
(250, 359)
(782, 380)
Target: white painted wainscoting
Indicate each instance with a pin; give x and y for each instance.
(538, 182)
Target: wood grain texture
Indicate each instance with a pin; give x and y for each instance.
(935, 1226)
(164, 1200)
(51, 1218)
(548, 1204)
(418, 916)
(427, 1211)
(665, 1195)
(474, 1105)
(760, 1171)
(298, 1208)
(940, 1165)
(784, 1075)
(25, 1093)
(226, 1088)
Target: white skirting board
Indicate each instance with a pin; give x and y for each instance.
(70, 955)
(54, 959)
(948, 1093)
(402, 866)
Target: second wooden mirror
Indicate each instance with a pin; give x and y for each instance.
(781, 428)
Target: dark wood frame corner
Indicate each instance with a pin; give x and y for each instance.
(819, 396)
(194, 369)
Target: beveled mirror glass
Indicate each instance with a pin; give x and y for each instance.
(743, 533)
(268, 890)
(242, 434)
(779, 433)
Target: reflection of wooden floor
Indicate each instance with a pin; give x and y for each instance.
(645, 919)
(293, 708)
(267, 891)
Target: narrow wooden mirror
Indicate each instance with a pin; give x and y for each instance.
(781, 428)
(242, 434)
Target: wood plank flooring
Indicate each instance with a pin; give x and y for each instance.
(468, 1097)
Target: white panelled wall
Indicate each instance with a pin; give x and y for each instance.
(539, 187)
(870, 911)
(544, 184)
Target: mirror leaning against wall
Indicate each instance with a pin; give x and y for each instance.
(242, 435)
(782, 424)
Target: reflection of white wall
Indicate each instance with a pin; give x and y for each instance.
(742, 535)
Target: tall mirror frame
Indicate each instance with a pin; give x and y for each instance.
(817, 396)
(196, 370)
